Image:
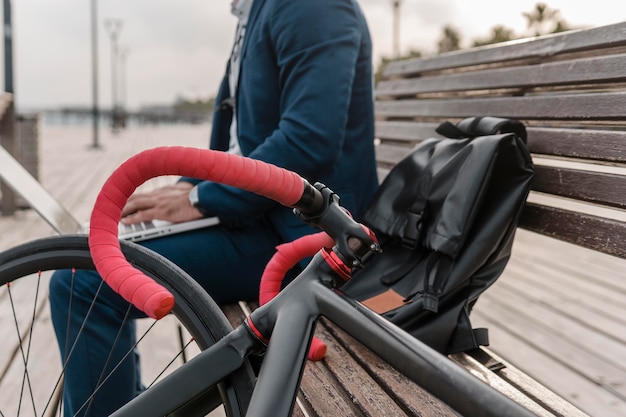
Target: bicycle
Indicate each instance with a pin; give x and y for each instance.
(288, 319)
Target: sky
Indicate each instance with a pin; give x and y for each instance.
(178, 48)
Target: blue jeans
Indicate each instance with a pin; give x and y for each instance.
(228, 263)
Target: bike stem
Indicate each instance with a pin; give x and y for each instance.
(352, 240)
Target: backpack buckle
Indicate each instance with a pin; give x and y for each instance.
(431, 302)
(412, 230)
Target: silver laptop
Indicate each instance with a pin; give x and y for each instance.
(63, 222)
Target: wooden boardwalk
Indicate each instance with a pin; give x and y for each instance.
(565, 326)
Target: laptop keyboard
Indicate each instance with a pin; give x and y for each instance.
(137, 227)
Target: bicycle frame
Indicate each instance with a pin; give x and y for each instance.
(291, 318)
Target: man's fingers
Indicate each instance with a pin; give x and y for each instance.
(137, 203)
(139, 216)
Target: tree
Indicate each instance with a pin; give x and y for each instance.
(543, 20)
(450, 40)
(183, 105)
(498, 34)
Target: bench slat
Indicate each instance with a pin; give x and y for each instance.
(346, 373)
(569, 107)
(592, 232)
(535, 391)
(405, 131)
(527, 77)
(587, 144)
(600, 145)
(610, 36)
(492, 378)
(320, 394)
(411, 397)
(599, 188)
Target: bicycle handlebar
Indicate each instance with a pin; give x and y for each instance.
(286, 257)
(281, 185)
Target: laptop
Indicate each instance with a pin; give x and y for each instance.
(63, 222)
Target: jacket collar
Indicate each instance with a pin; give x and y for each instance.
(241, 10)
(252, 18)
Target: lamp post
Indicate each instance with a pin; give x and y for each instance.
(8, 48)
(396, 27)
(123, 55)
(114, 27)
(95, 111)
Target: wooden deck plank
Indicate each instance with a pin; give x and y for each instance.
(585, 309)
(565, 381)
(557, 313)
(574, 346)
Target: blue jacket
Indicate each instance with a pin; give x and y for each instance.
(304, 103)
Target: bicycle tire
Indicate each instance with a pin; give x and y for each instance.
(194, 308)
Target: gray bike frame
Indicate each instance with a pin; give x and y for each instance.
(290, 318)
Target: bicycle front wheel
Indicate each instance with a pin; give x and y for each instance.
(31, 373)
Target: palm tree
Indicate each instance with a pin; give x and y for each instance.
(543, 19)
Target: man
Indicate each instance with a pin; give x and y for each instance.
(301, 74)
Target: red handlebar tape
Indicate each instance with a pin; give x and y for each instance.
(281, 185)
(286, 257)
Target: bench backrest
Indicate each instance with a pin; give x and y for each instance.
(570, 91)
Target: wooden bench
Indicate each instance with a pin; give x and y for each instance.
(570, 91)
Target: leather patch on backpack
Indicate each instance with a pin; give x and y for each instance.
(385, 301)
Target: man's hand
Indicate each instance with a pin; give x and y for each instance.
(167, 203)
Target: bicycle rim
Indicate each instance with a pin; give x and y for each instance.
(29, 351)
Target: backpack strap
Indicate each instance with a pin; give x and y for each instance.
(472, 127)
(429, 289)
(478, 337)
(416, 214)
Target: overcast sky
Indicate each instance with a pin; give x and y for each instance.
(178, 48)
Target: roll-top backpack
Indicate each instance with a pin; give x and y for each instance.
(446, 216)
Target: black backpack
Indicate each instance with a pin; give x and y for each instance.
(446, 217)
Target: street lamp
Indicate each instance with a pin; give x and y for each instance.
(114, 27)
(8, 48)
(123, 54)
(95, 111)
(396, 27)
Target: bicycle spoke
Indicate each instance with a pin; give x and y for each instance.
(181, 353)
(109, 357)
(26, 379)
(30, 332)
(130, 351)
